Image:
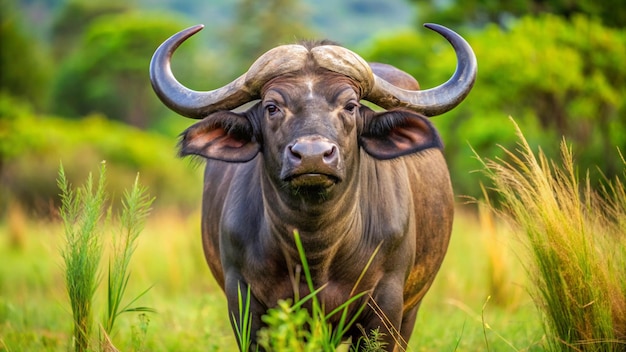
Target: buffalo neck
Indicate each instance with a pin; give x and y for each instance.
(324, 225)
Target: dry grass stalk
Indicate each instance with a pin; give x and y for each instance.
(577, 243)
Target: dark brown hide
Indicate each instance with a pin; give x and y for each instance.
(402, 206)
(369, 192)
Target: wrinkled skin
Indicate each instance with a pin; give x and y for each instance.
(355, 183)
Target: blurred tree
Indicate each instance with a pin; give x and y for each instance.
(74, 18)
(480, 12)
(32, 144)
(557, 78)
(24, 67)
(108, 70)
(261, 25)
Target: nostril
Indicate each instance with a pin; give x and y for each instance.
(293, 152)
(330, 154)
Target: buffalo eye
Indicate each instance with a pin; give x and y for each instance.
(272, 109)
(351, 107)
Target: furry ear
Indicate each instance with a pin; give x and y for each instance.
(224, 135)
(394, 133)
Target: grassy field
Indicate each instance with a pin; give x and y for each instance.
(479, 301)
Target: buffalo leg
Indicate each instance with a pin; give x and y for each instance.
(384, 312)
(408, 323)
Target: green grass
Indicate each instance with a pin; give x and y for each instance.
(293, 327)
(85, 219)
(82, 211)
(192, 311)
(552, 276)
(135, 210)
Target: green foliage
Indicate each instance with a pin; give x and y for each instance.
(139, 332)
(242, 329)
(31, 146)
(287, 330)
(371, 342)
(247, 26)
(256, 30)
(74, 18)
(558, 78)
(82, 211)
(23, 61)
(136, 208)
(480, 12)
(293, 327)
(108, 71)
(576, 241)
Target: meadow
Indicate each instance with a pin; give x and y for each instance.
(542, 270)
(479, 301)
(545, 271)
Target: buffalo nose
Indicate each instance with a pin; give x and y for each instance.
(313, 152)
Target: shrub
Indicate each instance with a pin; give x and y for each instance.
(107, 72)
(557, 77)
(31, 146)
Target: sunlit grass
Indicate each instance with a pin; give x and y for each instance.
(576, 241)
(192, 311)
(478, 302)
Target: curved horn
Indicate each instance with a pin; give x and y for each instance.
(195, 104)
(437, 100)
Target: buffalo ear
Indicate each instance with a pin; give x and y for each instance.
(394, 133)
(223, 135)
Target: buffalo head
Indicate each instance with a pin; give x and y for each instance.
(309, 122)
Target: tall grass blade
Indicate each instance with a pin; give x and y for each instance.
(303, 260)
(244, 324)
(136, 206)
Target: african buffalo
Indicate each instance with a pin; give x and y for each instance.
(359, 185)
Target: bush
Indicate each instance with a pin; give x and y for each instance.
(31, 147)
(557, 77)
(108, 70)
(25, 64)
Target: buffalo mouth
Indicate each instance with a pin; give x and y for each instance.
(312, 180)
